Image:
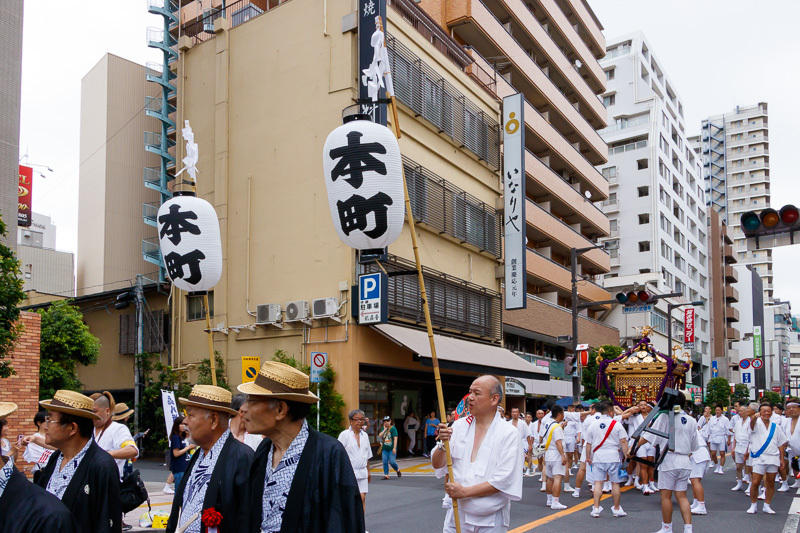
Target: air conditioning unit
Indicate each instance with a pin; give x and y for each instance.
(296, 311)
(325, 307)
(268, 313)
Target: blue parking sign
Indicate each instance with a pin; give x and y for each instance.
(372, 298)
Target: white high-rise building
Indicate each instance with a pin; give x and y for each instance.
(735, 152)
(656, 205)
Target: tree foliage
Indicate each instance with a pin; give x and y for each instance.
(718, 391)
(331, 417)
(65, 342)
(772, 397)
(741, 393)
(156, 376)
(589, 372)
(11, 295)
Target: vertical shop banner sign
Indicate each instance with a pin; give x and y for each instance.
(368, 10)
(170, 408)
(514, 201)
(688, 329)
(757, 341)
(404, 402)
(25, 196)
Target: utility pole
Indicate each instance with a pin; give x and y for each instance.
(574, 253)
(139, 349)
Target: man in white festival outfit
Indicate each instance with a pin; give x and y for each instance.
(356, 443)
(607, 437)
(767, 449)
(113, 437)
(487, 463)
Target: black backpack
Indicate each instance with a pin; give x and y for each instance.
(132, 492)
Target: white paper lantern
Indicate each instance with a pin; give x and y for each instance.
(188, 232)
(364, 178)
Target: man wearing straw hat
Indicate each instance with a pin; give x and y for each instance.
(25, 507)
(217, 475)
(113, 437)
(301, 480)
(82, 475)
(486, 463)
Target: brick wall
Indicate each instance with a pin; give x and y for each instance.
(23, 388)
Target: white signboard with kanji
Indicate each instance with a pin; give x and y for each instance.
(514, 201)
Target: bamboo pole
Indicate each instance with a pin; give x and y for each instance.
(426, 309)
(212, 359)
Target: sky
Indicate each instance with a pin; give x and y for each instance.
(718, 54)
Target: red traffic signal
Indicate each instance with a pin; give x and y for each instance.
(770, 221)
(636, 298)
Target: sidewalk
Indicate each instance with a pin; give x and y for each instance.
(412, 466)
(158, 502)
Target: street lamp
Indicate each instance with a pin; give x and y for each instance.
(574, 253)
(670, 307)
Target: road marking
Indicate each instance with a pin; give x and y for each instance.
(793, 520)
(565, 512)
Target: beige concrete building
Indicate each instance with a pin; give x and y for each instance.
(735, 151)
(112, 195)
(722, 294)
(549, 52)
(10, 87)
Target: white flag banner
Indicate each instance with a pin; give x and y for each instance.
(379, 69)
(170, 409)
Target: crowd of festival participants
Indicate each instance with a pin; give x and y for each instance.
(250, 462)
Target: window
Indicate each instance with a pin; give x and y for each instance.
(644, 218)
(610, 73)
(643, 191)
(612, 225)
(644, 246)
(610, 172)
(195, 310)
(626, 146)
(609, 100)
(642, 164)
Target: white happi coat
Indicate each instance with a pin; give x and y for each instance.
(498, 461)
(359, 452)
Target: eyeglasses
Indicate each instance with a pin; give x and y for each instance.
(358, 419)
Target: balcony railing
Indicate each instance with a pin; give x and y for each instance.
(429, 95)
(202, 29)
(455, 304)
(441, 205)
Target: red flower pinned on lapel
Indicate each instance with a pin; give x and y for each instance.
(211, 518)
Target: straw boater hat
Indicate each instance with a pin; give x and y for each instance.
(7, 409)
(72, 403)
(121, 411)
(210, 397)
(281, 382)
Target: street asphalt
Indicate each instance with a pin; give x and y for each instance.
(413, 503)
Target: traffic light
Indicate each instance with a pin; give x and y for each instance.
(769, 221)
(124, 300)
(636, 298)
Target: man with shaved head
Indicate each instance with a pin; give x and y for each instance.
(487, 464)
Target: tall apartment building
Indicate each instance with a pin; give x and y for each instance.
(778, 326)
(748, 292)
(549, 52)
(722, 277)
(735, 152)
(656, 205)
(10, 88)
(112, 197)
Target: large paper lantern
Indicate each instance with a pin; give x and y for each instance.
(364, 178)
(188, 232)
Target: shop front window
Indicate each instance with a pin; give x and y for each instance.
(373, 399)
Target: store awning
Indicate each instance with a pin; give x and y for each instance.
(459, 354)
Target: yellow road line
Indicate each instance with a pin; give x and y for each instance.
(560, 514)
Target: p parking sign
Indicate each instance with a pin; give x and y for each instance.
(372, 298)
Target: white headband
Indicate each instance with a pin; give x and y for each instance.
(790, 404)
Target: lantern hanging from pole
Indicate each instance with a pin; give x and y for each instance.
(584, 357)
(188, 232)
(364, 179)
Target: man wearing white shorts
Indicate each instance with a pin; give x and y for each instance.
(608, 438)
(792, 429)
(718, 430)
(570, 443)
(356, 443)
(700, 459)
(676, 467)
(767, 448)
(522, 429)
(555, 459)
(646, 451)
(741, 439)
(585, 472)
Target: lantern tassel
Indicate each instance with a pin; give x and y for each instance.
(426, 309)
